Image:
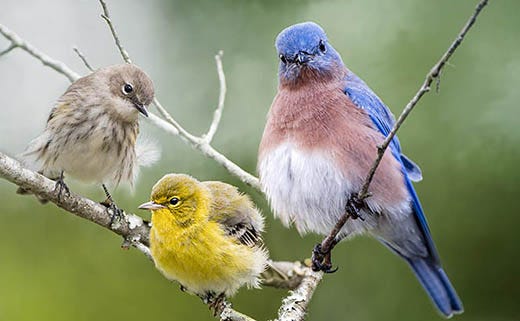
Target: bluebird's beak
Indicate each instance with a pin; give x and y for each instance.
(151, 206)
(302, 57)
(141, 109)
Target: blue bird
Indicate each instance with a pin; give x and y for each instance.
(318, 145)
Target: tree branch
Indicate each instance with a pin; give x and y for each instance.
(131, 227)
(106, 15)
(17, 42)
(221, 98)
(434, 73)
(199, 143)
(328, 243)
(83, 58)
(294, 306)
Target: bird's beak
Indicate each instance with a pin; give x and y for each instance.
(303, 58)
(141, 109)
(151, 206)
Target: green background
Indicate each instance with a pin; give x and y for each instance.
(54, 266)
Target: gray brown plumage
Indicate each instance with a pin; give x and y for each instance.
(91, 132)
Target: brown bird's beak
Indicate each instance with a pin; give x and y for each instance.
(151, 206)
(141, 109)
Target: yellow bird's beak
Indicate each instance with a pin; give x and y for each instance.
(151, 206)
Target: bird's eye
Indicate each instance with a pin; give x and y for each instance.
(283, 59)
(174, 201)
(127, 89)
(322, 46)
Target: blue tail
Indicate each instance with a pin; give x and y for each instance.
(437, 285)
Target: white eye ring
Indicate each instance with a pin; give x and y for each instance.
(127, 89)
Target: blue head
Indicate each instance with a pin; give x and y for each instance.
(304, 51)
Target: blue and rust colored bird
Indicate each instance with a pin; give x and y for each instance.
(318, 145)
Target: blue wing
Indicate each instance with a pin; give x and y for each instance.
(426, 266)
(366, 99)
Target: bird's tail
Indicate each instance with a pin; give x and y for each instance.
(437, 285)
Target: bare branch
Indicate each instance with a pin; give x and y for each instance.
(221, 98)
(8, 49)
(328, 243)
(433, 74)
(294, 306)
(284, 275)
(106, 15)
(83, 58)
(46, 60)
(206, 149)
(132, 227)
(174, 128)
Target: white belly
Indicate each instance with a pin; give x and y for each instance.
(89, 163)
(307, 189)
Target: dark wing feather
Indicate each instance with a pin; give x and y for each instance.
(236, 213)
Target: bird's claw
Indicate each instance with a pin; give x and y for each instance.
(116, 213)
(354, 206)
(321, 260)
(61, 187)
(113, 210)
(215, 303)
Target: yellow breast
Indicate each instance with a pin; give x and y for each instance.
(200, 256)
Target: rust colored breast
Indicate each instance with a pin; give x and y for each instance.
(320, 116)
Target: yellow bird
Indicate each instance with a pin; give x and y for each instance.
(206, 236)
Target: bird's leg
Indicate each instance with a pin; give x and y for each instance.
(110, 204)
(354, 206)
(322, 259)
(61, 187)
(214, 302)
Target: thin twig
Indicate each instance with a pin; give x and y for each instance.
(217, 115)
(46, 60)
(106, 15)
(83, 58)
(207, 150)
(199, 143)
(172, 127)
(8, 49)
(434, 73)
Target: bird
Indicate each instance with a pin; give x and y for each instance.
(206, 236)
(320, 140)
(91, 132)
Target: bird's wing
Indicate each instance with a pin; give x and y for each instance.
(71, 94)
(363, 97)
(381, 116)
(236, 213)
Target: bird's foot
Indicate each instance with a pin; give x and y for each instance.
(114, 211)
(354, 206)
(60, 187)
(116, 214)
(321, 260)
(216, 303)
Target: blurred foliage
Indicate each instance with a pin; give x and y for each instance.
(54, 266)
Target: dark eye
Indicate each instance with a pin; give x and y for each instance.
(127, 89)
(283, 59)
(174, 201)
(322, 46)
